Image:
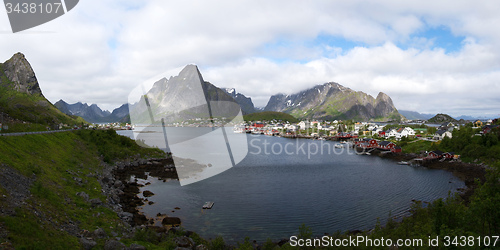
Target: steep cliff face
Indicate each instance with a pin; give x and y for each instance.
(334, 101)
(183, 97)
(18, 70)
(21, 97)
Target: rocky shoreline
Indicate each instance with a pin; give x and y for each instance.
(120, 184)
(467, 172)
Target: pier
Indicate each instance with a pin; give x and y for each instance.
(208, 205)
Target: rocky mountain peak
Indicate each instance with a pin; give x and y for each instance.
(383, 97)
(245, 103)
(334, 101)
(19, 71)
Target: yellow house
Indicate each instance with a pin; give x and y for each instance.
(478, 123)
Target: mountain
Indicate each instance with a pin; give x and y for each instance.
(183, 97)
(245, 103)
(119, 113)
(92, 113)
(474, 118)
(334, 101)
(21, 98)
(441, 118)
(63, 107)
(413, 115)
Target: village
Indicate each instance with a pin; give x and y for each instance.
(366, 136)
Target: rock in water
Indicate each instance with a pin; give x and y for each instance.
(147, 193)
(171, 221)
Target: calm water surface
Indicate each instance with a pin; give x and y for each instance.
(271, 193)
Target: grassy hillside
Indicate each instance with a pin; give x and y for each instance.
(54, 168)
(28, 108)
(440, 118)
(269, 116)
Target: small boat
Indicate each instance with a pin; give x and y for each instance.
(403, 163)
(208, 205)
(239, 130)
(339, 145)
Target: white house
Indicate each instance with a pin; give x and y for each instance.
(376, 130)
(303, 125)
(440, 134)
(290, 127)
(391, 133)
(405, 132)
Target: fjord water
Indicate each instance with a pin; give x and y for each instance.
(272, 192)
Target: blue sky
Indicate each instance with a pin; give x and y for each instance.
(439, 37)
(428, 56)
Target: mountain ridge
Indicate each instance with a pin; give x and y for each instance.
(93, 113)
(334, 101)
(246, 104)
(414, 115)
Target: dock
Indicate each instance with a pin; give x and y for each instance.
(208, 205)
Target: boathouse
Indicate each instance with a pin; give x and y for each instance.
(396, 149)
(436, 154)
(449, 155)
(386, 145)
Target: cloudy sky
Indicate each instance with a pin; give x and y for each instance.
(428, 56)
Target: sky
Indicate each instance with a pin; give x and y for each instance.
(428, 56)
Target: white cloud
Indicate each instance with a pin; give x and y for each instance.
(101, 50)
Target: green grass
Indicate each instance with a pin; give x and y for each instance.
(416, 146)
(29, 108)
(53, 160)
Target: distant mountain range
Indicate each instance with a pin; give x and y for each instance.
(413, 115)
(93, 113)
(168, 96)
(21, 99)
(333, 101)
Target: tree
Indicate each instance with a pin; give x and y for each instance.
(431, 130)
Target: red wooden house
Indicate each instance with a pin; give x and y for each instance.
(396, 149)
(435, 154)
(449, 155)
(258, 125)
(386, 145)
